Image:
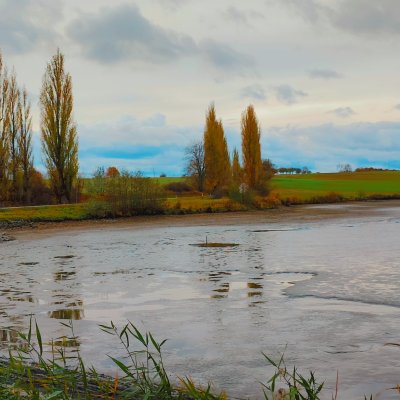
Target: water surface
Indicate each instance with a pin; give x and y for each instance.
(325, 292)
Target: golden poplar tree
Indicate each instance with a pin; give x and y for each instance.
(216, 155)
(236, 169)
(4, 147)
(251, 149)
(13, 101)
(59, 136)
(25, 145)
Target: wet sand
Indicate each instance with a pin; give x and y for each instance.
(309, 213)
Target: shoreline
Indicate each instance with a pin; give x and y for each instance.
(307, 213)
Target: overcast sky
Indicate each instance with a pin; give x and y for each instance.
(323, 76)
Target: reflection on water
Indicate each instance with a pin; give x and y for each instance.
(8, 336)
(309, 288)
(73, 312)
(64, 275)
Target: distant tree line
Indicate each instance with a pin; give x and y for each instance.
(20, 183)
(291, 170)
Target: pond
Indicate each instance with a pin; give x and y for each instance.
(323, 291)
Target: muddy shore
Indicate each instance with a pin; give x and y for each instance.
(297, 214)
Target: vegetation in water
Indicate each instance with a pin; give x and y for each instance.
(39, 371)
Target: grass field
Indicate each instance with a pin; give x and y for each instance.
(286, 189)
(349, 185)
(44, 213)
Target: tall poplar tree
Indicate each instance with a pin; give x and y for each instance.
(216, 155)
(4, 148)
(236, 168)
(251, 149)
(25, 145)
(59, 135)
(13, 102)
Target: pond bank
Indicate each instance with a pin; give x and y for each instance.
(296, 214)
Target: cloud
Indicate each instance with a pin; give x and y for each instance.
(324, 74)
(343, 112)
(173, 5)
(288, 95)
(355, 16)
(322, 147)
(255, 92)
(121, 33)
(26, 25)
(397, 106)
(224, 57)
(244, 17)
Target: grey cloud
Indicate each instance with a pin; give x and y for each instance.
(255, 92)
(343, 112)
(244, 17)
(371, 17)
(173, 5)
(24, 24)
(324, 74)
(397, 106)
(223, 56)
(356, 16)
(288, 95)
(124, 33)
(310, 10)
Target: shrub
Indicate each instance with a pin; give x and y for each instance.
(178, 187)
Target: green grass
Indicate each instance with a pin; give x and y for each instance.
(168, 179)
(349, 185)
(44, 213)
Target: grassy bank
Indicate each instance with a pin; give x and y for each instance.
(285, 190)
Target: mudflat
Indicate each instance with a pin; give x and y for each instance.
(296, 214)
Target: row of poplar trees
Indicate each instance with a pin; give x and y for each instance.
(209, 163)
(58, 135)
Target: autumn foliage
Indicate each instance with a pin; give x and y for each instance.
(251, 149)
(216, 155)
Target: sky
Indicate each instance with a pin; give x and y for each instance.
(323, 76)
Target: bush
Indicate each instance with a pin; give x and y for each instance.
(178, 187)
(98, 209)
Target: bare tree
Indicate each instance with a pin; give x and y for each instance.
(59, 136)
(195, 166)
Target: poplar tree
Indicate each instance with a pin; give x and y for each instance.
(236, 169)
(25, 145)
(251, 149)
(59, 135)
(4, 148)
(13, 101)
(216, 156)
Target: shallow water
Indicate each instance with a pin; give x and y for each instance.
(326, 293)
